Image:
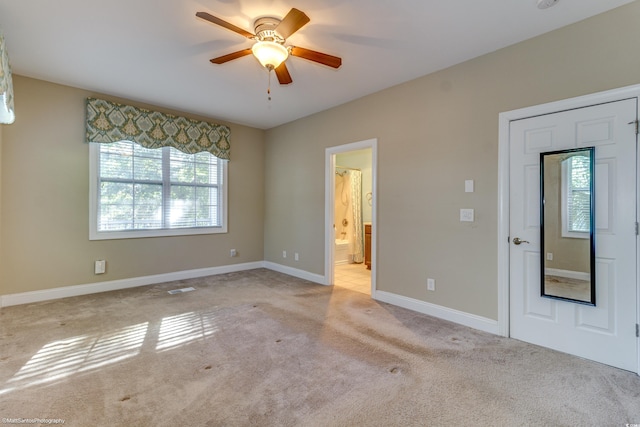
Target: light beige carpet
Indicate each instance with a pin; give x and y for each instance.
(264, 349)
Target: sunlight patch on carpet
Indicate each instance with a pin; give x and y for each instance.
(63, 358)
(176, 331)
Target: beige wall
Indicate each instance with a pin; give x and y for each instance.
(45, 207)
(433, 133)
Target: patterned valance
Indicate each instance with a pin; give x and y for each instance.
(111, 122)
(6, 86)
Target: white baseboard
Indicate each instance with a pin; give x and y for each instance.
(301, 274)
(460, 317)
(112, 285)
(568, 274)
(445, 313)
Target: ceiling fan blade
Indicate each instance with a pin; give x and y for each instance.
(291, 23)
(283, 74)
(231, 56)
(319, 57)
(225, 24)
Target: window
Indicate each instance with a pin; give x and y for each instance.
(141, 192)
(576, 197)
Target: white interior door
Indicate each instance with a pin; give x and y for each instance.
(607, 332)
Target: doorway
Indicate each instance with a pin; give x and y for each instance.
(350, 210)
(606, 332)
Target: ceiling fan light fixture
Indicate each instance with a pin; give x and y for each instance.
(270, 54)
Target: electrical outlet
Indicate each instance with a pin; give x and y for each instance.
(466, 215)
(100, 266)
(284, 254)
(296, 256)
(549, 256)
(233, 253)
(431, 284)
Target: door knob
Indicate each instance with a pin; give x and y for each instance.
(517, 241)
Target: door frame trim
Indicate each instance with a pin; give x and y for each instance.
(329, 185)
(504, 121)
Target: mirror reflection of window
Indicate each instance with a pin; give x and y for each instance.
(567, 242)
(576, 197)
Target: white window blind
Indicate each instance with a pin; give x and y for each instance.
(576, 212)
(141, 192)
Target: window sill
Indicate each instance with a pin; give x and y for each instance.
(141, 234)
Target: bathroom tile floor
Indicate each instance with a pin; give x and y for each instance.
(353, 276)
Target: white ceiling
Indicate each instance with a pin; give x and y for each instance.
(157, 51)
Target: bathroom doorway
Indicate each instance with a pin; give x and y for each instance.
(350, 216)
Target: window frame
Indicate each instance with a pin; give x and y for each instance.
(94, 234)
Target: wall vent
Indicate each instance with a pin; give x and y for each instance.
(545, 4)
(180, 291)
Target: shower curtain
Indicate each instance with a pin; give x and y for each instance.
(357, 244)
(348, 212)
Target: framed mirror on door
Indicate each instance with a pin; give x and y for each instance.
(567, 221)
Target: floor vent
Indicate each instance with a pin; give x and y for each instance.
(180, 291)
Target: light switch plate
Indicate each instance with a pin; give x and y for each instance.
(466, 215)
(468, 186)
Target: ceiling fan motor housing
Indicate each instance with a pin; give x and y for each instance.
(265, 30)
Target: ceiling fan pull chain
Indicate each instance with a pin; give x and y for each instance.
(269, 87)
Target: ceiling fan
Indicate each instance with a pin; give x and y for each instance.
(269, 48)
